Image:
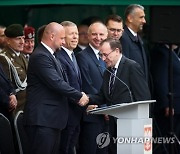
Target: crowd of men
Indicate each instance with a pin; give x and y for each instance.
(76, 68)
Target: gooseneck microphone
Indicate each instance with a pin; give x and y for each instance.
(130, 93)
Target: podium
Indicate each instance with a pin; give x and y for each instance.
(134, 127)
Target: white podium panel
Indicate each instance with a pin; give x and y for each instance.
(133, 126)
(133, 136)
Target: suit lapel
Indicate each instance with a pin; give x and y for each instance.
(66, 56)
(94, 58)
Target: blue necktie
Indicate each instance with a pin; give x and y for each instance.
(102, 64)
(74, 62)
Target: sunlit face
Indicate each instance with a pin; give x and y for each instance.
(96, 34)
(71, 37)
(108, 55)
(59, 39)
(28, 46)
(83, 36)
(16, 43)
(137, 20)
(115, 29)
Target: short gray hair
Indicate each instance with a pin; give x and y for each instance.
(130, 9)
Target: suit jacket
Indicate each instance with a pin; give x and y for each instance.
(130, 73)
(134, 49)
(159, 70)
(5, 90)
(47, 91)
(77, 50)
(92, 76)
(75, 111)
(21, 66)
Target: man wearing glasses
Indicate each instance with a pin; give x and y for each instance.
(123, 82)
(114, 24)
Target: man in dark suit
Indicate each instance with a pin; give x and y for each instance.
(89, 61)
(159, 70)
(132, 44)
(126, 84)
(46, 110)
(8, 100)
(83, 38)
(70, 134)
(114, 24)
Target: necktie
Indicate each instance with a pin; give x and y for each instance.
(74, 62)
(111, 80)
(102, 64)
(136, 39)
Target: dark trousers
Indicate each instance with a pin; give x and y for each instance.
(69, 138)
(88, 135)
(43, 140)
(112, 148)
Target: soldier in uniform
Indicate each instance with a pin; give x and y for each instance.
(29, 33)
(14, 63)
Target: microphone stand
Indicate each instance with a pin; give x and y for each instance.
(171, 98)
(130, 93)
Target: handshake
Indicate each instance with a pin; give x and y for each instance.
(84, 99)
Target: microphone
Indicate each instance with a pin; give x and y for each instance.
(130, 93)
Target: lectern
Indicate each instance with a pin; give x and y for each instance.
(134, 127)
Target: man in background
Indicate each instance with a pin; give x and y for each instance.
(132, 44)
(29, 33)
(14, 63)
(92, 69)
(2, 37)
(114, 24)
(83, 38)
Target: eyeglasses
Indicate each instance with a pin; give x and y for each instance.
(116, 30)
(105, 55)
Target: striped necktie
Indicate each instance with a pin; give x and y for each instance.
(111, 80)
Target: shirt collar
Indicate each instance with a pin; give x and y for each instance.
(16, 52)
(117, 64)
(135, 34)
(95, 51)
(48, 48)
(69, 52)
(82, 46)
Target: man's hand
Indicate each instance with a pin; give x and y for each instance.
(84, 100)
(91, 107)
(12, 102)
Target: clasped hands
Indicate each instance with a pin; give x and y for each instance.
(84, 99)
(12, 102)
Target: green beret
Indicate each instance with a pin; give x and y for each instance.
(14, 30)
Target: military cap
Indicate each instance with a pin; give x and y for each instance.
(14, 30)
(29, 32)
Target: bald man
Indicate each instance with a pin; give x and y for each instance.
(46, 111)
(92, 77)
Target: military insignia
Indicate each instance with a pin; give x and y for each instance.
(12, 59)
(30, 35)
(14, 55)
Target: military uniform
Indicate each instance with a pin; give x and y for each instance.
(20, 65)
